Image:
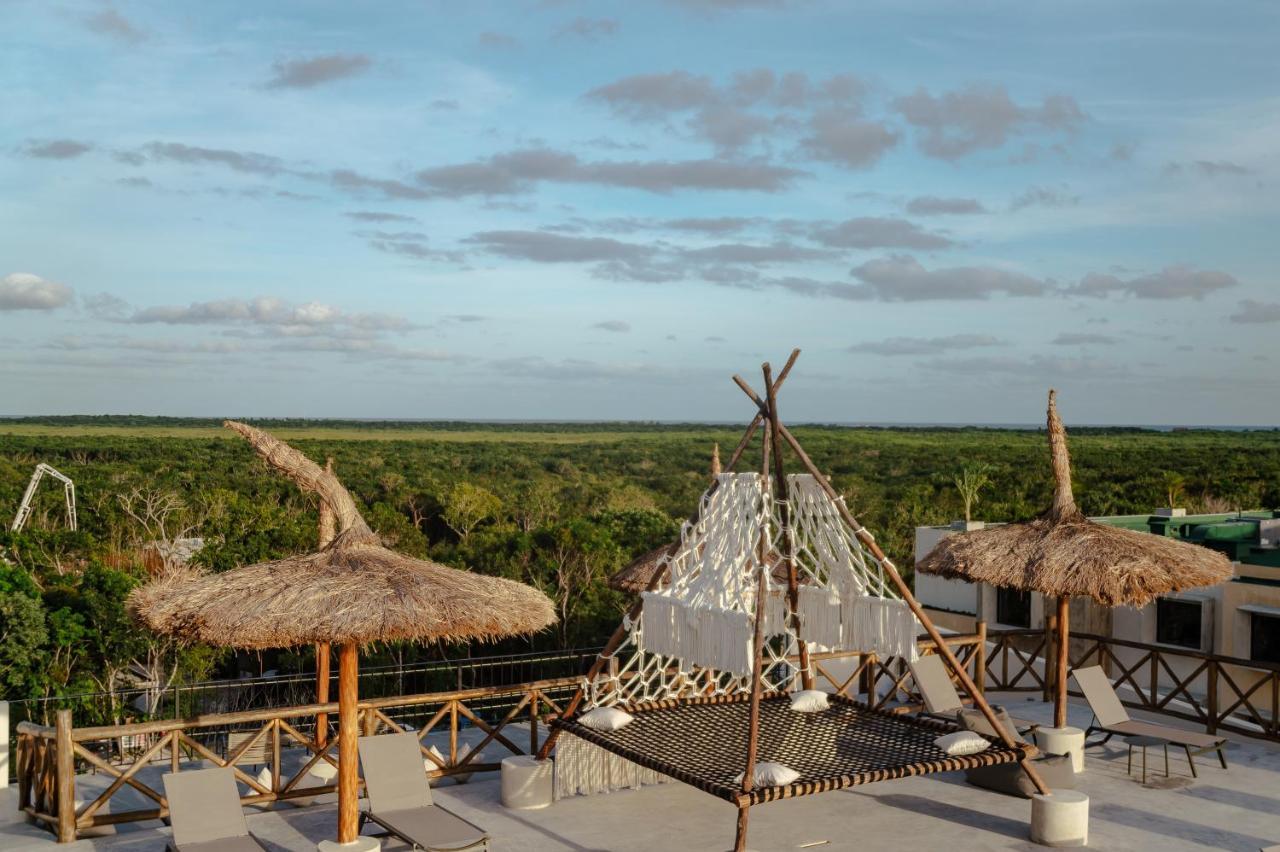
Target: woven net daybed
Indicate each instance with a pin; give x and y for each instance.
(700, 741)
(706, 661)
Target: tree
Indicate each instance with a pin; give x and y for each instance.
(23, 636)
(466, 506)
(970, 482)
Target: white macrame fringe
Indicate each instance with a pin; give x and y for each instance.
(583, 768)
(820, 619)
(884, 625)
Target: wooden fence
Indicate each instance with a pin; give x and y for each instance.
(1221, 693)
(1218, 692)
(48, 757)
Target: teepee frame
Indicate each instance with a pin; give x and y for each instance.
(775, 435)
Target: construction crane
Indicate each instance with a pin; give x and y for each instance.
(24, 510)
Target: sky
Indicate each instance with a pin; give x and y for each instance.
(590, 210)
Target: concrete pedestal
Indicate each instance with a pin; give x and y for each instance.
(1063, 741)
(360, 844)
(1060, 818)
(526, 782)
(320, 775)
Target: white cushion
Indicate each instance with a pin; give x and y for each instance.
(606, 719)
(809, 701)
(962, 742)
(769, 774)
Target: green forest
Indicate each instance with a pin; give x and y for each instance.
(558, 506)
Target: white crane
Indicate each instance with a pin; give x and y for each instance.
(24, 510)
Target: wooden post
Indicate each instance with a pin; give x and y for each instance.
(892, 572)
(753, 729)
(1063, 663)
(534, 699)
(788, 536)
(1050, 658)
(620, 634)
(1211, 700)
(322, 693)
(740, 838)
(980, 659)
(66, 778)
(348, 756)
(276, 774)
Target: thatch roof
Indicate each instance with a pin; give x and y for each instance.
(637, 574)
(353, 590)
(1064, 553)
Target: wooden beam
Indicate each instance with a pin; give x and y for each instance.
(1060, 673)
(788, 535)
(348, 755)
(905, 592)
(322, 692)
(65, 757)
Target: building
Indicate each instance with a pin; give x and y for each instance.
(1238, 619)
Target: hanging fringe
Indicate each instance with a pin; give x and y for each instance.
(820, 620)
(884, 625)
(701, 636)
(583, 768)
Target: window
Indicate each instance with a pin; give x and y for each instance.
(1178, 622)
(1264, 638)
(1013, 607)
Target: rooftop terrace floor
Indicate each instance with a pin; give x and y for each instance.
(1236, 809)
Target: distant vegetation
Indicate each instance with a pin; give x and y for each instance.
(559, 506)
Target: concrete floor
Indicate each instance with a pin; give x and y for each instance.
(1237, 809)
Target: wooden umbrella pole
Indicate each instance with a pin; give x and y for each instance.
(620, 634)
(322, 693)
(943, 649)
(788, 535)
(1060, 675)
(348, 731)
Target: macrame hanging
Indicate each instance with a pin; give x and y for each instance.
(695, 633)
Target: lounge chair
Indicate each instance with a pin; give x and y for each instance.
(1110, 718)
(205, 812)
(941, 700)
(400, 798)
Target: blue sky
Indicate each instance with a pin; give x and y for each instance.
(603, 210)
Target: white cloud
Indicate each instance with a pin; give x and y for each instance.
(22, 291)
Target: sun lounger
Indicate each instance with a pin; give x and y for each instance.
(400, 798)
(1110, 718)
(941, 700)
(204, 809)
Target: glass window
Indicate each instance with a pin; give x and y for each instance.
(1178, 622)
(1013, 607)
(1264, 638)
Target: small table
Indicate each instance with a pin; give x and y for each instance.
(1143, 742)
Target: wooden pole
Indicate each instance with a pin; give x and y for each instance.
(620, 634)
(757, 674)
(65, 769)
(980, 658)
(870, 543)
(326, 529)
(788, 536)
(322, 693)
(348, 756)
(1063, 663)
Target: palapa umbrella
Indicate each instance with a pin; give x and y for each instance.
(1062, 554)
(351, 592)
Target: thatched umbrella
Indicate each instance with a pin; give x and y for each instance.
(1062, 554)
(352, 592)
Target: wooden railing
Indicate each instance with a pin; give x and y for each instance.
(48, 757)
(1221, 693)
